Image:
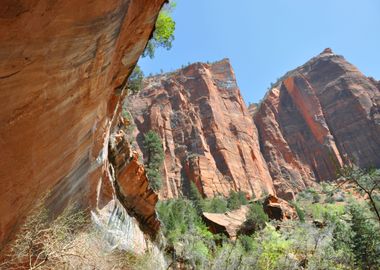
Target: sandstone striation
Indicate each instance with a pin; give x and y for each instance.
(62, 68)
(228, 223)
(279, 209)
(315, 119)
(129, 181)
(208, 134)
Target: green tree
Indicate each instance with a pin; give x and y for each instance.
(215, 205)
(189, 240)
(196, 197)
(163, 34)
(366, 238)
(368, 181)
(300, 212)
(154, 158)
(236, 199)
(135, 80)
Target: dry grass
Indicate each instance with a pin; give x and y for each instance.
(68, 242)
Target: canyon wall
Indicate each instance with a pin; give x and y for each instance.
(63, 66)
(208, 135)
(316, 118)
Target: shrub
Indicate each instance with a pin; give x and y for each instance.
(188, 237)
(300, 212)
(135, 80)
(215, 205)
(178, 217)
(256, 219)
(368, 183)
(154, 158)
(247, 242)
(155, 179)
(196, 197)
(236, 199)
(366, 237)
(274, 246)
(44, 243)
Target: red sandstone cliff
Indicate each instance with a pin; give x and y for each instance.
(62, 69)
(316, 118)
(208, 135)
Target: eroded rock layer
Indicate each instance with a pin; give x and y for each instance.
(316, 118)
(208, 135)
(62, 67)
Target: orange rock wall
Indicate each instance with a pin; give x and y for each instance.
(62, 64)
(318, 117)
(208, 135)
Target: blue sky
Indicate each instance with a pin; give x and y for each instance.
(266, 38)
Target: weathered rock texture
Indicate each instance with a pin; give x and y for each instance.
(316, 118)
(128, 180)
(62, 67)
(228, 223)
(208, 134)
(279, 209)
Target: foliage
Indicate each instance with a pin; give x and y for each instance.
(155, 178)
(368, 182)
(196, 197)
(154, 158)
(300, 212)
(273, 247)
(323, 211)
(348, 238)
(135, 80)
(256, 219)
(185, 232)
(215, 205)
(366, 237)
(236, 199)
(44, 243)
(163, 34)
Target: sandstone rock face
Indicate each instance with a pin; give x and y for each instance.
(208, 135)
(316, 118)
(62, 67)
(279, 209)
(228, 223)
(129, 181)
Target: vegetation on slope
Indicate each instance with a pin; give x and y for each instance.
(337, 229)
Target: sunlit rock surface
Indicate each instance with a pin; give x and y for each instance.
(279, 209)
(117, 230)
(316, 118)
(62, 66)
(129, 181)
(208, 135)
(228, 223)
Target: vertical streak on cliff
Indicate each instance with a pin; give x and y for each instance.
(316, 118)
(61, 65)
(208, 134)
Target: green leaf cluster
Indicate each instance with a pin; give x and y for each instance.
(163, 35)
(135, 80)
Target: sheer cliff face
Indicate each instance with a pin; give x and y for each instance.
(208, 135)
(319, 116)
(62, 65)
